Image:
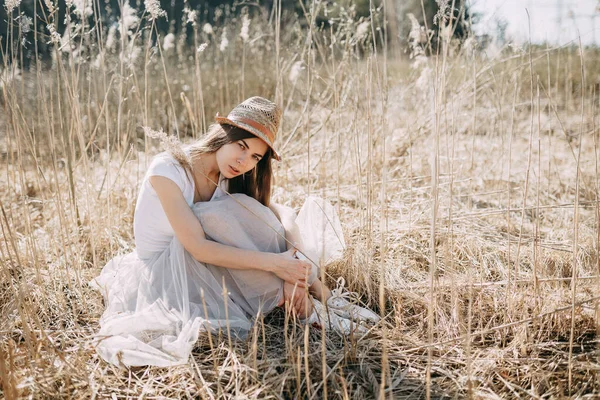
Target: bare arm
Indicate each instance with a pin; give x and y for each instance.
(189, 231)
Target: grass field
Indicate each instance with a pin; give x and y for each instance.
(467, 187)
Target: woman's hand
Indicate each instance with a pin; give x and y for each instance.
(287, 267)
(297, 299)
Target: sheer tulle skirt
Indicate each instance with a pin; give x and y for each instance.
(156, 307)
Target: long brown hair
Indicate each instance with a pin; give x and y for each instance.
(255, 183)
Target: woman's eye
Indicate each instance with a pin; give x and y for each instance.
(241, 145)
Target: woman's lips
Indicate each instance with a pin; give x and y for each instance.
(235, 171)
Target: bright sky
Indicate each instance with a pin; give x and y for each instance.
(556, 21)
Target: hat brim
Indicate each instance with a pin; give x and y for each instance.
(255, 132)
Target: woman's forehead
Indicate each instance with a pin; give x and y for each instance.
(256, 145)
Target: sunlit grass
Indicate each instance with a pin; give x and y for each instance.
(470, 226)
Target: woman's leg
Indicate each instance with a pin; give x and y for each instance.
(287, 216)
(320, 291)
(241, 221)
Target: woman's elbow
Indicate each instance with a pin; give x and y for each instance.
(196, 248)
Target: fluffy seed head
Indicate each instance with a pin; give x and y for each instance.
(129, 19)
(49, 5)
(153, 8)
(169, 41)
(110, 38)
(54, 36)
(295, 71)
(82, 8)
(11, 5)
(191, 16)
(224, 40)
(207, 28)
(245, 28)
(362, 29)
(25, 24)
(169, 143)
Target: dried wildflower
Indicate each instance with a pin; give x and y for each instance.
(207, 28)
(129, 19)
(442, 10)
(415, 36)
(169, 143)
(11, 5)
(202, 47)
(49, 5)
(224, 41)
(169, 41)
(415, 29)
(362, 30)
(295, 71)
(25, 24)
(153, 8)
(82, 8)
(190, 15)
(54, 36)
(110, 38)
(245, 28)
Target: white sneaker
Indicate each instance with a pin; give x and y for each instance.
(330, 320)
(340, 304)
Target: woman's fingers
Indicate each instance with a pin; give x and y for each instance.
(293, 270)
(296, 298)
(300, 273)
(305, 267)
(299, 304)
(301, 283)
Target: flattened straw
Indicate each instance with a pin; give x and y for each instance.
(504, 326)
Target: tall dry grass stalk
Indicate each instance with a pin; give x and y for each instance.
(488, 288)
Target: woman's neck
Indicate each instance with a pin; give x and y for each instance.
(206, 166)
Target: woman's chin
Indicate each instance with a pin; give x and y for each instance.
(229, 173)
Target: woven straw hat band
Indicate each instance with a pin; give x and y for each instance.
(246, 121)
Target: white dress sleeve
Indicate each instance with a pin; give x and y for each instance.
(151, 227)
(166, 166)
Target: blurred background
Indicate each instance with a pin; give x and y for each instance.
(495, 23)
(553, 21)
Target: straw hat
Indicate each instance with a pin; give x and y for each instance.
(257, 115)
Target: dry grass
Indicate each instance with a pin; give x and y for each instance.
(467, 188)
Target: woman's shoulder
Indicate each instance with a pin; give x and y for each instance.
(165, 165)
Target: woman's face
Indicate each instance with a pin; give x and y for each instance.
(241, 156)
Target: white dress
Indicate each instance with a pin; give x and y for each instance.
(158, 297)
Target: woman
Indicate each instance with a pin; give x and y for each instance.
(211, 249)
